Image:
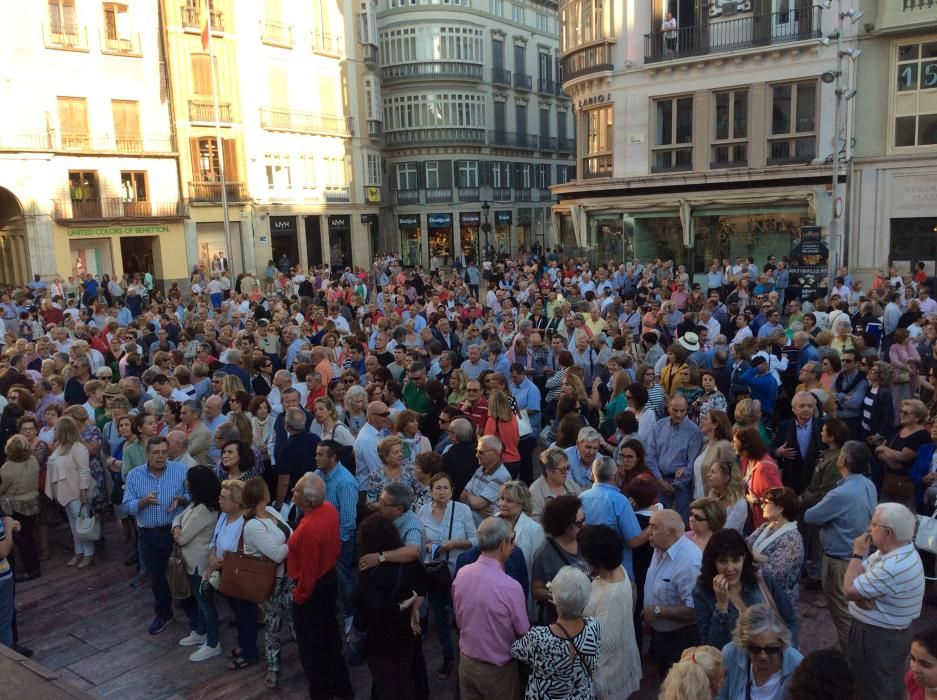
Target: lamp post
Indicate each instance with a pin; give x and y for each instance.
(486, 227)
(843, 95)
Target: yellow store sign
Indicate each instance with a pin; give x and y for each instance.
(98, 231)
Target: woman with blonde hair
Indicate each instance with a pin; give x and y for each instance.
(717, 445)
(328, 426)
(19, 483)
(727, 486)
(231, 385)
(457, 381)
(69, 482)
(618, 400)
(697, 676)
(748, 415)
(502, 422)
(356, 405)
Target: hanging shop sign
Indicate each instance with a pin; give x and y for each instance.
(809, 260)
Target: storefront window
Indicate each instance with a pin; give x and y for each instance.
(740, 235)
(340, 241)
(440, 237)
(658, 236)
(913, 240)
(469, 227)
(410, 236)
(525, 220)
(610, 238)
(503, 221)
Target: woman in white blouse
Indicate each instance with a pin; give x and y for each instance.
(327, 424)
(448, 530)
(266, 534)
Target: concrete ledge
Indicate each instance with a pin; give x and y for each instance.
(24, 678)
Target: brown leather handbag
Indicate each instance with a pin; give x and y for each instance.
(247, 577)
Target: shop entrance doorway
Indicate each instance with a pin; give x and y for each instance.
(136, 254)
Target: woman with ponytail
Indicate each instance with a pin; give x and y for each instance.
(697, 676)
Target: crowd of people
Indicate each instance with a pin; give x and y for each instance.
(574, 475)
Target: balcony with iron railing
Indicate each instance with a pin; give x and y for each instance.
(435, 135)
(337, 194)
(375, 128)
(513, 139)
(597, 166)
(99, 208)
(370, 54)
(438, 195)
(522, 81)
(66, 37)
(467, 194)
(408, 196)
(431, 70)
(276, 34)
(544, 194)
(121, 45)
(204, 111)
(192, 19)
(792, 150)
(501, 194)
(905, 15)
(328, 44)
(211, 192)
(305, 122)
(500, 76)
(565, 145)
(595, 58)
(546, 86)
(547, 143)
(725, 35)
(523, 194)
(80, 142)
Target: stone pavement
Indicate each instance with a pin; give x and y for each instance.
(89, 628)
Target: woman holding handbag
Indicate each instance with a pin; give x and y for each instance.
(192, 531)
(68, 482)
(227, 538)
(449, 530)
(265, 534)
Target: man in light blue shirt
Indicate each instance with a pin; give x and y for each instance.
(526, 395)
(341, 490)
(367, 460)
(842, 515)
(582, 454)
(605, 504)
(672, 448)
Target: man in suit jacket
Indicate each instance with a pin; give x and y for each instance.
(15, 374)
(797, 443)
(199, 436)
(447, 337)
(460, 461)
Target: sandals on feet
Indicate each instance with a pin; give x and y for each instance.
(240, 662)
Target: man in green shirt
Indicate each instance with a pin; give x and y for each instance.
(414, 391)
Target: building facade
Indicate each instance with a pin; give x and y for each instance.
(88, 167)
(893, 178)
(476, 126)
(704, 131)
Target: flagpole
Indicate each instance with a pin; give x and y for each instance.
(218, 141)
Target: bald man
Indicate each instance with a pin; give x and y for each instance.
(179, 448)
(668, 590)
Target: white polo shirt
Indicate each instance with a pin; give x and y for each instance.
(895, 582)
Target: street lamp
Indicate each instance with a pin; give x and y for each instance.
(486, 227)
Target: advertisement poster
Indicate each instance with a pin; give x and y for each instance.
(809, 261)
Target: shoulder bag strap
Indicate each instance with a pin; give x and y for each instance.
(576, 653)
(451, 521)
(765, 592)
(559, 550)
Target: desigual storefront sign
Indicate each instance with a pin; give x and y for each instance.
(98, 231)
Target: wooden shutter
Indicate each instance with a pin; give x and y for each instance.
(196, 166)
(278, 82)
(229, 150)
(201, 74)
(73, 115)
(126, 119)
(445, 173)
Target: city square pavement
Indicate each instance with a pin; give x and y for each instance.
(89, 628)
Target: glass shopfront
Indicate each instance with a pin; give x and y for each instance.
(469, 235)
(611, 238)
(739, 234)
(410, 235)
(440, 237)
(339, 241)
(283, 238)
(658, 235)
(525, 222)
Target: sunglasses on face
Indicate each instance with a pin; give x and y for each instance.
(770, 650)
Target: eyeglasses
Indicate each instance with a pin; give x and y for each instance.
(579, 523)
(698, 518)
(770, 650)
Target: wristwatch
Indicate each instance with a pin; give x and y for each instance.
(380, 557)
(856, 556)
(657, 610)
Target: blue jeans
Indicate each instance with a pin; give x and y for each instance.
(155, 548)
(201, 610)
(245, 617)
(347, 575)
(6, 612)
(438, 602)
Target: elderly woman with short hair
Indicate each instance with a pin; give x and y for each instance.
(390, 450)
(759, 661)
(563, 655)
(19, 483)
(898, 455)
(554, 482)
(514, 503)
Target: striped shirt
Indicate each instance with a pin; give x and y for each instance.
(895, 582)
(341, 490)
(166, 486)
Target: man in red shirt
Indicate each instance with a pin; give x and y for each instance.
(475, 406)
(313, 552)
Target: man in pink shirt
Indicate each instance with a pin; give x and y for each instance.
(491, 613)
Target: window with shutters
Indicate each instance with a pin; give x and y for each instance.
(524, 173)
(134, 193)
(279, 172)
(64, 31)
(278, 87)
(206, 161)
(543, 176)
(466, 173)
(307, 164)
(431, 174)
(517, 13)
(84, 194)
(335, 172)
(598, 135)
(500, 175)
(117, 35)
(407, 176)
(73, 123)
(127, 126)
(373, 169)
(201, 74)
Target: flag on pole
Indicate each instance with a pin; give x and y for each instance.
(205, 27)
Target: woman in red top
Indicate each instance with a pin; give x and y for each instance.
(502, 422)
(758, 467)
(920, 681)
